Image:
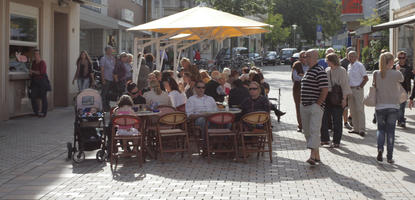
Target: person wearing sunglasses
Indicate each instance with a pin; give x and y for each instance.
(406, 70)
(255, 102)
(134, 93)
(199, 103)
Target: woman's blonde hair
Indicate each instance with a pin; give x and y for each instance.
(204, 74)
(384, 59)
(155, 86)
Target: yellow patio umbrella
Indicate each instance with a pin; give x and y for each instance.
(200, 23)
(203, 20)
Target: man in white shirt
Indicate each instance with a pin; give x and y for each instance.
(199, 103)
(357, 80)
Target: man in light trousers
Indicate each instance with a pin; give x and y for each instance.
(357, 80)
(314, 89)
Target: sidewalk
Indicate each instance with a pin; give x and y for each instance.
(33, 165)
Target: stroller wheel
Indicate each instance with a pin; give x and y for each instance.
(69, 147)
(101, 155)
(78, 156)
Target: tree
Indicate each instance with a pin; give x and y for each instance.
(278, 33)
(308, 13)
(237, 7)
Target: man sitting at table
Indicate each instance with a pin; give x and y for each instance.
(134, 93)
(256, 102)
(199, 103)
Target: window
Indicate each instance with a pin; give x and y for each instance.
(139, 2)
(24, 25)
(23, 28)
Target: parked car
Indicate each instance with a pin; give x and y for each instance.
(295, 57)
(286, 54)
(272, 58)
(256, 58)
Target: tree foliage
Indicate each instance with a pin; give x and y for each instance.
(237, 7)
(308, 13)
(277, 34)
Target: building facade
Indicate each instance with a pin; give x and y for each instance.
(402, 37)
(105, 24)
(51, 26)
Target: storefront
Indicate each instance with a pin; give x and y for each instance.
(49, 26)
(402, 37)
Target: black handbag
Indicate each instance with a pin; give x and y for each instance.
(335, 97)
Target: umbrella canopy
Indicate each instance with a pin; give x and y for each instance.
(204, 22)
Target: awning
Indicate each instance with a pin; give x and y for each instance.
(394, 23)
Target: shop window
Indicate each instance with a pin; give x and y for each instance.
(23, 28)
(406, 40)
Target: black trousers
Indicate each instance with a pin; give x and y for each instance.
(39, 92)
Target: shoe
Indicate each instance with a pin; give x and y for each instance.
(362, 134)
(379, 157)
(311, 161)
(299, 130)
(318, 161)
(278, 113)
(325, 143)
(391, 161)
(43, 115)
(336, 146)
(350, 121)
(353, 132)
(346, 125)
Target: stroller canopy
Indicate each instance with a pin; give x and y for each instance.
(89, 98)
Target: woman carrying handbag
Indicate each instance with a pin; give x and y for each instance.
(387, 84)
(339, 89)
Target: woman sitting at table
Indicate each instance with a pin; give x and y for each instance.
(255, 102)
(134, 93)
(190, 82)
(177, 98)
(156, 95)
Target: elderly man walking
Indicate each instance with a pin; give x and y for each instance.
(357, 80)
(314, 88)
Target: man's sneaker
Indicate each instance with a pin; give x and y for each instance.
(346, 125)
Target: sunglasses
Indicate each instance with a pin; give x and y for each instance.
(253, 88)
(401, 58)
(200, 87)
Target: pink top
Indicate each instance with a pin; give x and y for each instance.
(125, 110)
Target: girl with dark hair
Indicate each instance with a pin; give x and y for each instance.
(84, 74)
(177, 98)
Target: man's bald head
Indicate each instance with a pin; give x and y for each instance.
(311, 57)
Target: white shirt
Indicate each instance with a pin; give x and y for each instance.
(197, 105)
(177, 98)
(356, 73)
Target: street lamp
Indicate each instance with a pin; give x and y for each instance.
(294, 27)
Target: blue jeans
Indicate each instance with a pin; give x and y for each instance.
(386, 128)
(401, 118)
(83, 83)
(334, 113)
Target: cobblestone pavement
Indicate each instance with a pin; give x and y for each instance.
(33, 165)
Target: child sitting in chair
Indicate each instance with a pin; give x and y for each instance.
(125, 107)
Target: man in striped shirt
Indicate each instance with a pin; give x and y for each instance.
(314, 88)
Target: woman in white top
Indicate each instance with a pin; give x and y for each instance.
(156, 95)
(177, 98)
(387, 83)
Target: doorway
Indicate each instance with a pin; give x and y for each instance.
(60, 60)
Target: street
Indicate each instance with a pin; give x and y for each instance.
(34, 166)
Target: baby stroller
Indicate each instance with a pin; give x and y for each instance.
(89, 127)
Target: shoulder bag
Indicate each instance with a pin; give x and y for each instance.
(370, 98)
(335, 97)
